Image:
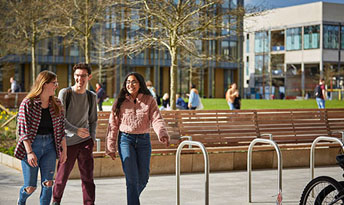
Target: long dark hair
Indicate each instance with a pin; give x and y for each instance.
(124, 92)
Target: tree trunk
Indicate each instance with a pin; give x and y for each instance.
(87, 54)
(87, 34)
(33, 62)
(173, 71)
(33, 53)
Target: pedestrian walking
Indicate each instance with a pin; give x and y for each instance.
(101, 95)
(320, 94)
(133, 113)
(40, 127)
(232, 97)
(194, 99)
(81, 122)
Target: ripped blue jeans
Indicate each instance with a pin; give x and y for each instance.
(44, 149)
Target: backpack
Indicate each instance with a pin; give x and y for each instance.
(69, 96)
(318, 92)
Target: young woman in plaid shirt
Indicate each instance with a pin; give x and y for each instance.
(41, 137)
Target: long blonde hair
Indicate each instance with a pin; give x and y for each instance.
(37, 88)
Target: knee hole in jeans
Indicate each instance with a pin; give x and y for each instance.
(30, 189)
(48, 183)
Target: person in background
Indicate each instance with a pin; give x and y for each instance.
(181, 104)
(231, 94)
(194, 99)
(132, 115)
(100, 96)
(150, 87)
(165, 102)
(81, 122)
(42, 140)
(14, 86)
(320, 94)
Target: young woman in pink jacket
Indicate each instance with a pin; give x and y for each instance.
(132, 115)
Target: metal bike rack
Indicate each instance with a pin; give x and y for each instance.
(206, 168)
(16, 101)
(188, 138)
(322, 138)
(98, 144)
(249, 163)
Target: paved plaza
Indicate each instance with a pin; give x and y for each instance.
(225, 187)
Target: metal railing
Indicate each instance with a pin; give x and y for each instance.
(249, 163)
(322, 138)
(189, 138)
(206, 168)
(98, 144)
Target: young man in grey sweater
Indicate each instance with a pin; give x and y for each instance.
(81, 120)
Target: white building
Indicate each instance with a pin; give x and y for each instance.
(298, 44)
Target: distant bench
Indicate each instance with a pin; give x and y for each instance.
(225, 130)
(11, 100)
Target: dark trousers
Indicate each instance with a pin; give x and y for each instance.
(82, 152)
(100, 105)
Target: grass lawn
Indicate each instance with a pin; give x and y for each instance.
(247, 104)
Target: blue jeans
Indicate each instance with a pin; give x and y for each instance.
(321, 103)
(44, 148)
(135, 152)
(231, 106)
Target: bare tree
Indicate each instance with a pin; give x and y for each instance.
(27, 23)
(176, 25)
(79, 18)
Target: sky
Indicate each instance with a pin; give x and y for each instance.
(283, 3)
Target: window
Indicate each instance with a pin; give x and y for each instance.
(277, 40)
(247, 66)
(342, 37)
(233, 49)
(261, 67)
(225, 48)
(233, 4)
(331, 37)
(212, 44)
(294, 38)
(225, 4)
(311, 37)
(261, 42)
(247, 43)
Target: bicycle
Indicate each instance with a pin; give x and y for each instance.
(324, 190)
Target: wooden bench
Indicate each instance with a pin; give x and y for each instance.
(11, 100)
(225, 130)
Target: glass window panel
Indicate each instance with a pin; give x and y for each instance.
(294, 38)
(234, 4)
(311, 37)
(225, 48)
(261, 42)
(331, 37)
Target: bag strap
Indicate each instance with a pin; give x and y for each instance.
(69, 96)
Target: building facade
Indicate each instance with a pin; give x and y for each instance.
(211, 79)
(287, 50)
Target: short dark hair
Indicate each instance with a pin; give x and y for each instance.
(83, 66)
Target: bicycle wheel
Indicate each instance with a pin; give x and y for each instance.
(310, 194)
(326, 191)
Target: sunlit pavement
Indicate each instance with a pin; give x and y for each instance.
(224, 188)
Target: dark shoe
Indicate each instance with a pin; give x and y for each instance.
(55, 203)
